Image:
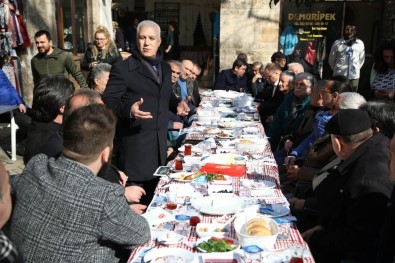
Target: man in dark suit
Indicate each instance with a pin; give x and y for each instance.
(270, 97)
(139, 91)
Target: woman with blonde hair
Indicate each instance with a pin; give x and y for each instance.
(103, 50)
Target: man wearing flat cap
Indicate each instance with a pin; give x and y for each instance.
(354, 195)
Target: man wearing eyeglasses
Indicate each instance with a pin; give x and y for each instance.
(52, 61)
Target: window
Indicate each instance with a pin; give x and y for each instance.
(71, 17)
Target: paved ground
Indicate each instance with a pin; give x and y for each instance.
(13, 167)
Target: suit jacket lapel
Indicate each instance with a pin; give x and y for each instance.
(145, 70)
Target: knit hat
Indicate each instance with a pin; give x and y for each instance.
(348, 122)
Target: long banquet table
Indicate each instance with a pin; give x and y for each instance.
(288, 239)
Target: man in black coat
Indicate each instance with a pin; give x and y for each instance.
(139, 91)
(354, 196)
(270, 97)
(386, 252)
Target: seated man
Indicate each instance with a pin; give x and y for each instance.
(279, 58)
(296, 67)
(386, 253)
(195, 96)
(53, 147)
(176, 122)
(49, 98)
(99, 77)
(63, 211)
(290, 113)
(359, 184)
(256, 81)
(232, 79)
(270, 97)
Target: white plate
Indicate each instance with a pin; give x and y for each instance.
(228, 137)
(155, 254)
(157, 216)
(233, 124)
(257, 184)
(226, 94)
(224, 109)
(212, 131)
(176, 176)
(235, 245)
(219, 205)
(202, 123)
(250, 130)
(170, 238)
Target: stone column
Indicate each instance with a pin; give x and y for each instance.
(248, 26)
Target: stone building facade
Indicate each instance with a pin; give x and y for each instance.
(248, 26)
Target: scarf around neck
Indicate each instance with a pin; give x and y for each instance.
(152, 62)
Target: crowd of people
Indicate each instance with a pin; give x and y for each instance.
(91, 153)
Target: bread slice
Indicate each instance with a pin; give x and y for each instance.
(258, 227)
(193, 176)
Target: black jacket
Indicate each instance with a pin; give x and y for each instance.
(386, 246)
(111, 58)
(353, 201)
(38, 135)
(269, 101)
(142, 143)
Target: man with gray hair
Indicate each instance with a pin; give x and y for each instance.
(296, 67)
(99, 77)
(139, 91)
(290, 113)
(286, 83)
(348, 100)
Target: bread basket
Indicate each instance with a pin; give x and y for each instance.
(261, 241)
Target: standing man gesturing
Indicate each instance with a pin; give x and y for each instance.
(139, 90)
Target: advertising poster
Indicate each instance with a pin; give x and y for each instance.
(308, 32)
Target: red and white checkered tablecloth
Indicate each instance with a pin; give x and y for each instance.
(270, 172)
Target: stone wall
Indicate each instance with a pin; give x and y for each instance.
(248, 26)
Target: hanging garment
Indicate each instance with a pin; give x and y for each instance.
(289, 40)
(18, 75)
(23, 32)
(5, 43)
(10, 73)
(199, 38)
(321, 54)
(310, 53)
